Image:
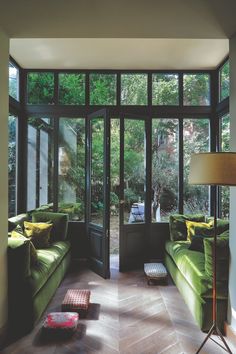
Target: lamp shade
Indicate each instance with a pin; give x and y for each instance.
(213, 168)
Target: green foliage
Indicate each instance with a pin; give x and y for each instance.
(196, 139)
(134, 89)
(224, 81)
(13, 81)
(114, 199)
(102, 89)
(196, 89)
(130, 197)
(72, 89)
(165, 89)
(165, 165)
(40, 88)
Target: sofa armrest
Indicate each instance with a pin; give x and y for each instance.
(18, 260)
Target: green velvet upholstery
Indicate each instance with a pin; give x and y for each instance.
(191, 271)
(19, 258)
(192, 265)
(19, 219)
(48, 260)
(37, 284)
(177, 225)
(59, 220)
(222, 258)
(200, 307)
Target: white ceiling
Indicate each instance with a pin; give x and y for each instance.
(116, 20)
(118, 53)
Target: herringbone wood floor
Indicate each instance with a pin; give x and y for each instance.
(125, 316)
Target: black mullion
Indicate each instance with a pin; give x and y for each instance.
(87, 90)
(149, 90)
(181, 90)
(118, 89)
(181, 168)
(56, 163)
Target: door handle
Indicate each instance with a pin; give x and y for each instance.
(122, 202)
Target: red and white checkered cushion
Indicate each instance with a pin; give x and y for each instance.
(61, 322)
(76, 300)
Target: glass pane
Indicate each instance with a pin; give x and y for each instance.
(102, 89)
(134, 89)
(40, 164)
(13, 81)
(12, 164)
(115, 186)
(71, 167)
(31, 168)
(224, 81)
(97, 170)
(43, 167)
(72, 89)
(165, 89)
(196, 139)
(40, 88)
(165, 168)
(134, 171)
(224, 146)
(196, 89)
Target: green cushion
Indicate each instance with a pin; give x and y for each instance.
(18, 259)
(207, 229)
(222, 257)
(48, 260)
(177, 225)
(11, 226)
(59, 221)
(18, 233)
(19, 219)
(222, 225)
(192, 266)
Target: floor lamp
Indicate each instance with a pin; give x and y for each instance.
(214, 169)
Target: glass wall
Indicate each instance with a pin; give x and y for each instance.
(71, 88)
(165, 89)
(196, 89)
(196, 138)
(134, 170)
(71, 167)
(165, 168)
(102, 89)
(40, 88)
(39, 163)
(12, 165)
(13, 81)
(134, 89)
(224, 81)
(224, 146)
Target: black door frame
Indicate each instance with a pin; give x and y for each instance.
(99, 236)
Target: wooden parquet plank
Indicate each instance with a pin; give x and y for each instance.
(126, 316)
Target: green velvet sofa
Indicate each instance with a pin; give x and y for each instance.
(31, 287)
(191, 270)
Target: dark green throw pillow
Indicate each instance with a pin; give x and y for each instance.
(222, 256)
(177, 225)
(59, 221)
(18, 258)
(222, 225)
(197, 243)
(11, 226)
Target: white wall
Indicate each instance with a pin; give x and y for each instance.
(232, 274)
(4, 58)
